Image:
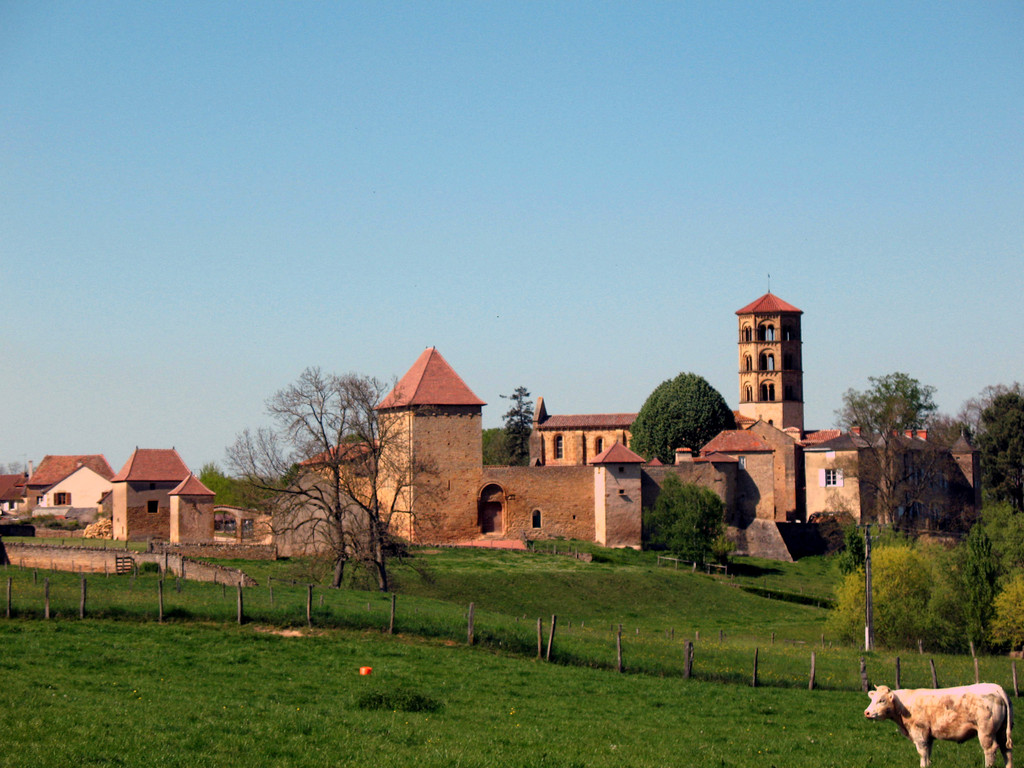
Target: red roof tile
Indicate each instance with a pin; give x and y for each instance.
(716, 458)
(589, 421)
(430, 381)
(820, 436)
(53, 469)
(12, 487)
(153, 465)
(735, 441)
(655, 462)
(617, 454)
(191, 486)
(769, 303)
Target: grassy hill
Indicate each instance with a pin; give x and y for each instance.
(118, 688)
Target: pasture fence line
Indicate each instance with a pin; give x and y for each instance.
(663, 652)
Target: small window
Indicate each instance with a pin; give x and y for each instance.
(621, 469)
(62, 499)
(833, 478)
(622, 491)
(599, 445)
(247, 528)
(743, 462)
(152, 486)
(152, 506)
(559, 447)
(536, 518)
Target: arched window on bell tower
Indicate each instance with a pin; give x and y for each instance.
(767, 392)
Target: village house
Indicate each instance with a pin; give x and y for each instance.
(71, 485)
(155, 496)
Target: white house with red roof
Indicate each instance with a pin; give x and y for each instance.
(63, 483)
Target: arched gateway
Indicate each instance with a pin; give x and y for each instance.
(491, 509)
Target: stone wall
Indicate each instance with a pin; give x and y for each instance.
(96, 560)
(220, 550)
(564, 497)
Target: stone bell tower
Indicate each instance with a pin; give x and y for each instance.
(771, 364)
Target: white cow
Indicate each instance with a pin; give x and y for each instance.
(952, 714)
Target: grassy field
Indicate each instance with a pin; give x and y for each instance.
(116, 693)
(118, 688)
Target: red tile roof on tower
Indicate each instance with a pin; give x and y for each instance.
(617, 454)
(767, 304)
(735, 441)
(191, 486)
(430, 381)
(153, 465)
(53, 469)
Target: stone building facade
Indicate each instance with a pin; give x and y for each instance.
(584, 482)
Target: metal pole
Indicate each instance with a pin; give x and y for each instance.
(869, 617)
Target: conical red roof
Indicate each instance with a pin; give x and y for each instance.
(430, 381)
(617, 454)
(769, 303)
(191, 486)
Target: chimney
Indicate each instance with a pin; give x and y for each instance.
(922, 434)
(30, 469)
(909, 433)
(684, 456)
(855, 430)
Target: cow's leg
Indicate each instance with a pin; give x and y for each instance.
(924, 749)
(989, 746)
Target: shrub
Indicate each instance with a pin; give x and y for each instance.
(399, 700)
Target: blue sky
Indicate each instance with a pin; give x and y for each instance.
(198, 200)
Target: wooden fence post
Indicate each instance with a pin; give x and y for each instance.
(973, 654)
(977, 679)
(551, 636)
(687, 659)
(81, 607)
(469, 624)
(920, 647)
(618, 650)
(935, 678)
(391, 624)
(46, 593)
(863, 675)
(1013, 664)
(753, 682)
(309, 605)
(810, 683)
(160, 599)
(241, 608)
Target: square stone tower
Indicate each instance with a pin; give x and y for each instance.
(771, 364)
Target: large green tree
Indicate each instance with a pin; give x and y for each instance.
(1001, 442)
(687, 520)
(684, 412)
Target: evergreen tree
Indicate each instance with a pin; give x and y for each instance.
(518, 426)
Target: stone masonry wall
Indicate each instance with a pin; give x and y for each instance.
(96, 560)
(564, 496)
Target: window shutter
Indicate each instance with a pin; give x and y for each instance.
(821, 478)
(839, 478)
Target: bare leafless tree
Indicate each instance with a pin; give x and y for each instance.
(334, 472)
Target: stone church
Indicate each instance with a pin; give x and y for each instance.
(584, 482)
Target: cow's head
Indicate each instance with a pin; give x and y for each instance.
(884, 704)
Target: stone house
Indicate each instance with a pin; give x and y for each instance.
(140, 500)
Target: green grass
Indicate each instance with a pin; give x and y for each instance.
(118, 688)
(114, 693)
